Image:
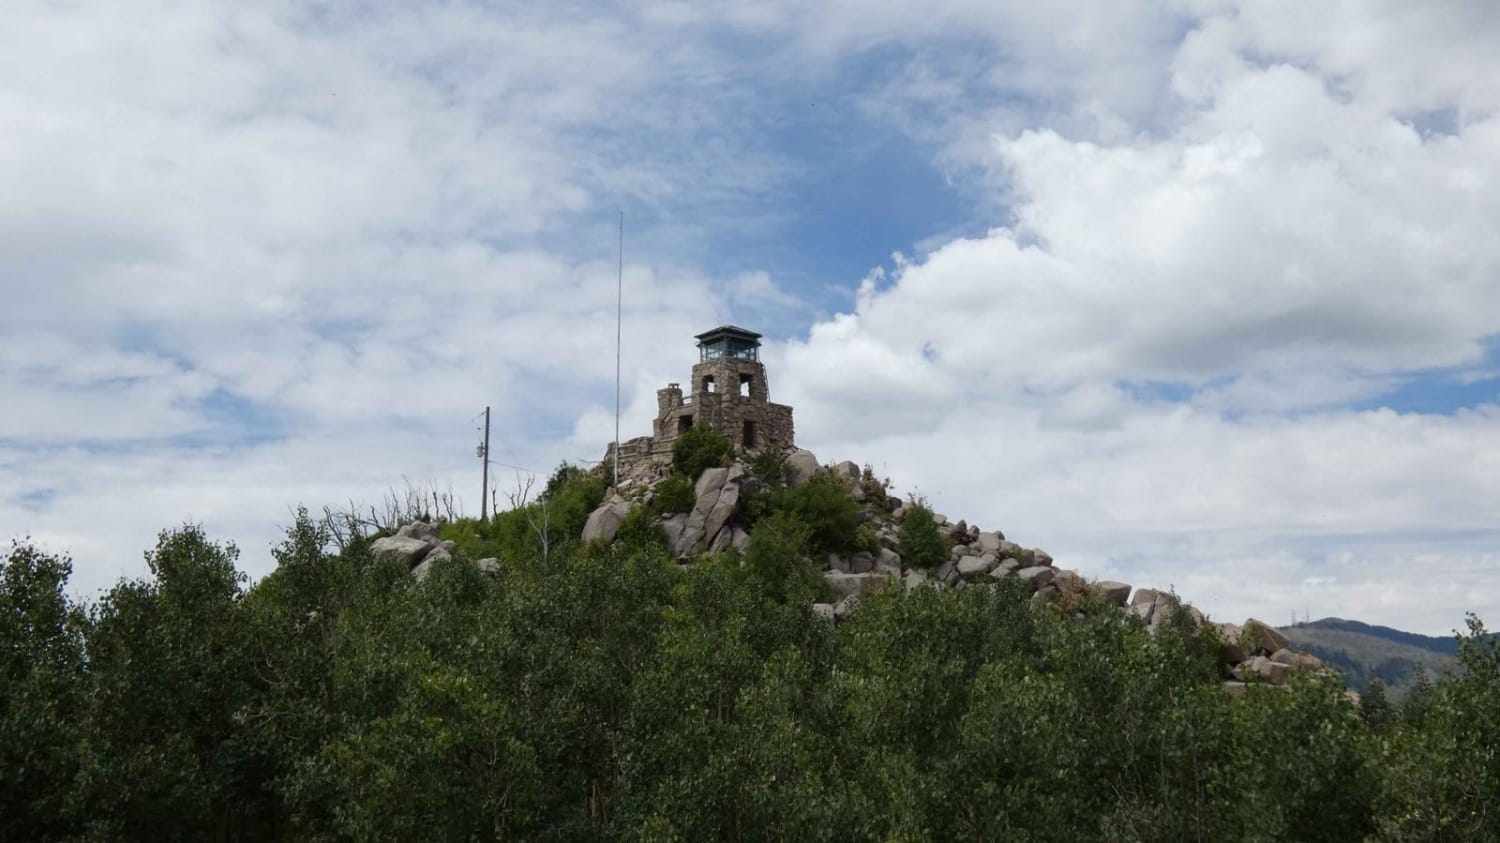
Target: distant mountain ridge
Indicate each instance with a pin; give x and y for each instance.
(1444, 644)
(1362, 652)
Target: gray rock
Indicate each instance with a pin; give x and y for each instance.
(899, 513)
(1111, 592)
(710, 481)
(1273, 672)
(915, 579)
(1236, 688)
(1046, 594)
(673, 526)
(1229, 636)
(849, 471)
(739, 539)
(888, 561)
(1286, 657)
(419, 530)
(1144, 596)
(1001, 572)
(838, 563)
(436, 557)
(1041, 557)
(862, 562)
(946, 572)
(823, 610)
(1261, 637)
(450, 547)
(801, 465)
(403, 550)
(724, 508)
(940, 519)
(1064, 578)
(1037, 575)
(971, 567)
(696, 533)
(841, 585)
(1010, 549)
(605, 521)
(1011, 565)
(990, 542)
(488, 565)
(1308, 661)
(721, 540)
(957, 551)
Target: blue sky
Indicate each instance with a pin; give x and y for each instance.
(1198, 293)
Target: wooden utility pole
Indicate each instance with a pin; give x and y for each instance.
(484, 452)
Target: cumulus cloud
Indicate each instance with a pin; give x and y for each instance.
(1113, 369)
(257, 256)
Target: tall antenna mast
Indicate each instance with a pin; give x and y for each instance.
(619, 318)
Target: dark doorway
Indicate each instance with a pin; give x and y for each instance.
(747, 439)
(683, 423)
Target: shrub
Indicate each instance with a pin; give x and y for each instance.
(674, 494)
(865, 539)
(875, 489)
(767, 468)
(640, 532)
(921, 543)
(698, 448)
(825, 504)
(777, 559)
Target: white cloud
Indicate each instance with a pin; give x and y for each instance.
(1289, 242)
(346, 227)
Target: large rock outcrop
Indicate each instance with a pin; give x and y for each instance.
(604, 522)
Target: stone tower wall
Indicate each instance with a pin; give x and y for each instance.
(726, 394)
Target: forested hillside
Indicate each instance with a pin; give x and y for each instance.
(1363, 654)
(591, 691)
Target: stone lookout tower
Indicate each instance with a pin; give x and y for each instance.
(727, 392)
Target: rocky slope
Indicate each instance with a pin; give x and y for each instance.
(1252, 652)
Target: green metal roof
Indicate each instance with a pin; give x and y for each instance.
(727, 332)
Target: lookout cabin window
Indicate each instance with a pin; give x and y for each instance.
(708, 383)
(744, 386)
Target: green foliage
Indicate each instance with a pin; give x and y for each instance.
(825, 505)
(1374, 708)
(554, 520)
(768, 469)
(674, 494)
(639, 532)
(603, 692)
(41, 695)
(698, 448)
(777, 559)
(920, 542)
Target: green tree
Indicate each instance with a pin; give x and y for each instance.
(42, 696)
(698, 448)
(1374, 708)
(777, 562)
(675, 493)
(172, 671)
(919, 541)
(826, 505)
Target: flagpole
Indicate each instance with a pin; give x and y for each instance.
(619, 319)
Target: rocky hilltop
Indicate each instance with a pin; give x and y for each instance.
(715, 523)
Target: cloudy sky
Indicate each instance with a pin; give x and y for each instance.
(1201, 294)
